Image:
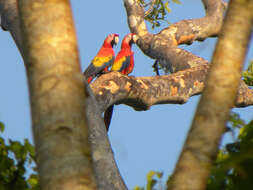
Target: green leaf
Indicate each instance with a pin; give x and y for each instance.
(160, 10)
(151, 182)
(14, 157)
(30, 148)
(166, 5)
(235, 120)
(18, 150)
(159, 174)
(33, 180)
(176, 1)
(248, 75)
(138, 188)
(150, 175)
(233, 168)
(1, 127)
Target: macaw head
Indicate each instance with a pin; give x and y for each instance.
(111, 40)
(128, 40)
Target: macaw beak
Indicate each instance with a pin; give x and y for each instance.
(135, 38)
(116, 40)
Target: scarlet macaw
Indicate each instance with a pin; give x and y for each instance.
(103, 59)
(123, 63)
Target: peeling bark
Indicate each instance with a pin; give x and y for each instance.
(106, 170)
(163, 45)
(143, 92)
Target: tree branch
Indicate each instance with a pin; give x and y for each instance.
(10, 21)
(143, 92)
(106, 170)
(163, 46)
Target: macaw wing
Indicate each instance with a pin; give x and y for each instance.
(121, 63)
(97, 65)
(129, 68)
(101, 62)
(127, 62)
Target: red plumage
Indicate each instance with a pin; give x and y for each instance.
(123, 63)
(103, 59)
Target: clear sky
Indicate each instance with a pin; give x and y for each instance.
(141, 141)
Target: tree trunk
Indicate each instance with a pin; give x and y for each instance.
(57, 95)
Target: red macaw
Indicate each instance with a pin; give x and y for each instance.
(103, 59)
(123, 63)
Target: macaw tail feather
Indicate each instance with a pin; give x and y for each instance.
(108, 116)
(89, 79)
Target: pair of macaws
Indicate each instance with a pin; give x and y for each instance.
(123, 63)
(105, 58)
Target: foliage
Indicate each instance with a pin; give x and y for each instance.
(248, 74)
(234, 165)
(158, 12)
(233, 169)
(153, 180)
(16, 159)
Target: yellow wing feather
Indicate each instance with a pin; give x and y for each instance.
(100, 61)
(118, 64)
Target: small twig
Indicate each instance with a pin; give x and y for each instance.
(151, 8)
(156, 67)
(1, 24)
(225, 4)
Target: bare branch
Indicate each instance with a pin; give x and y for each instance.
(143, 92)
(150, 9)
(10, 21)
(106, 170)
(163, 46)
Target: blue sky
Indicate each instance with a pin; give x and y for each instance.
(141, 141)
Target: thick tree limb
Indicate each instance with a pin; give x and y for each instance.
(106, 170)
(209, 124)
(57, 95)
(143, 92)
(163, 46)
(10, 21)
